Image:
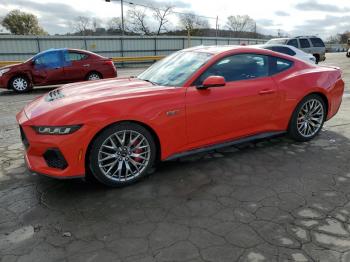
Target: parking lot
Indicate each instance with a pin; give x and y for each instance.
(272, 200)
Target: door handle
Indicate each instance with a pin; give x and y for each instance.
(267, 92)
(86, 65)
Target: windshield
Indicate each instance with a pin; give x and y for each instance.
(277, 41)
(175, 69)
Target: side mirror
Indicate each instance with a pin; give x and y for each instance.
(212, 81)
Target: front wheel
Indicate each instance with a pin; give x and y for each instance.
(20, 84)
(308, 118)
(122, 154)
(348, 54)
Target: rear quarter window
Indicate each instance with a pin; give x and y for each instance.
(317, 42)
(278, 65)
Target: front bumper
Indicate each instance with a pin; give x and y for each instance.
(3, 82)
(59, 156)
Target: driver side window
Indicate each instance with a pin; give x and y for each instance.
(238, 67)
(48, 60)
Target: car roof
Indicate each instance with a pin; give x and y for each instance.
(66, 49)
(279, 45)
(295, 49)
(223, 50)
(217, 50)
(213, 49)
(281, 38)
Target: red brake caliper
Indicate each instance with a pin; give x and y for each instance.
(137, 151)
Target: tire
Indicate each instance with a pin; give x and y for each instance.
(308, 118)
(317, 57)
(20, 84)
(348, 54)
(93, 76)
(114, 163)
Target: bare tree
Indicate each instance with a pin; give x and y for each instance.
(82, 25)
(339, 38)
(191, 22)
(240, 23)
(138, 23)
(114, 24)
(161, 16)
(95, 23)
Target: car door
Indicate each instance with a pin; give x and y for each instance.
(305, 45)
(48, 68)
(243, 106)
(76, 66)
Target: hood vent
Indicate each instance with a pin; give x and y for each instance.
(54, 95)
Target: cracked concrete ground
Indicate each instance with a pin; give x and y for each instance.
(272, 200)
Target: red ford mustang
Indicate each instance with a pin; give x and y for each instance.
(194, 100)
(56, 66)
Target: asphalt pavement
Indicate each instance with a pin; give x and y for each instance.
(271, 200)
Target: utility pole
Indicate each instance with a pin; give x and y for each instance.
(122, 4)
(122, 10)
(255, 30)
(217, 26)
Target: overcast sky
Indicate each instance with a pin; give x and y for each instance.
(322, 17)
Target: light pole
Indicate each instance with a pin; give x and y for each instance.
(121, 7)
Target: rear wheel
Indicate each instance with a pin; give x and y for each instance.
(317, 57)
(348, 53)
(122, 154)
(93, 76)
(20, 84)
(308, 118)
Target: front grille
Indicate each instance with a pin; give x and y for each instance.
(54, 95)
(24, 138)
(55, 159)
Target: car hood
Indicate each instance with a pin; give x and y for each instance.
(89, 93)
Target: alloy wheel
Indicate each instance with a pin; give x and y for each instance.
(20, 84)
(124, 155)
(310, 118)
(94, 76)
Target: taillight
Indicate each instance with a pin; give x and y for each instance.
(108, 62)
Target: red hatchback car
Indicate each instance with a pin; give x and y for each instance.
(56, 66)
(194, 100)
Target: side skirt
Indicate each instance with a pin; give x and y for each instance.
(226, 144)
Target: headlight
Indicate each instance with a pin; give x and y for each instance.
(56, 130)
(3, 71)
